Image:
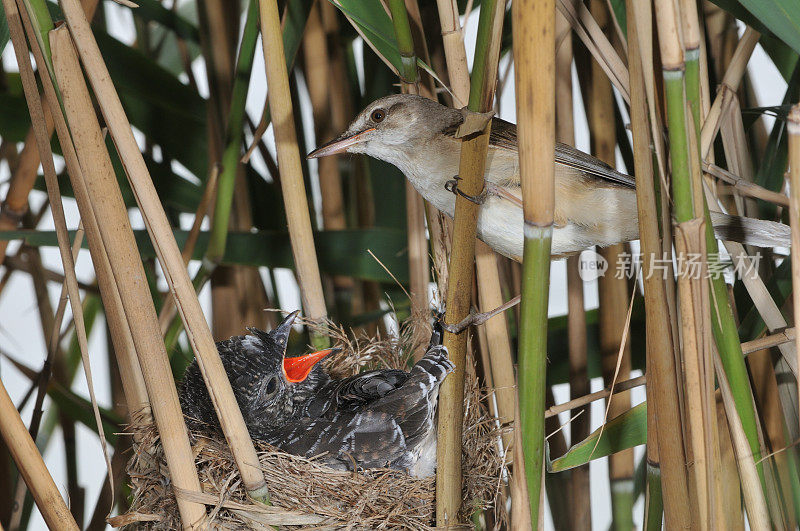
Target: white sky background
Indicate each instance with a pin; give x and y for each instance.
(21, 334)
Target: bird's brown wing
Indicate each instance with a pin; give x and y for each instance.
(504, 136)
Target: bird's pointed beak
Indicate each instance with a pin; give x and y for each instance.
(297, 369)
(339, 144)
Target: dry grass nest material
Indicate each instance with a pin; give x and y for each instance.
(303, 492)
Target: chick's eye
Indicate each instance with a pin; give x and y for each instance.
(272, 385)
(378, 115)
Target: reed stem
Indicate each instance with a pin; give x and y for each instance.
(292, 186)
(474, 148)
(534, 60)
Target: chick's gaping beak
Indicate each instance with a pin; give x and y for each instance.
(339, 144)
(297, 369)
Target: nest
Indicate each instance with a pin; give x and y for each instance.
(304, 492)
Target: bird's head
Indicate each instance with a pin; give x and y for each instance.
(271, 384)
(392, 127)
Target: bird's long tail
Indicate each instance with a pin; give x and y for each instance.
(750, 231)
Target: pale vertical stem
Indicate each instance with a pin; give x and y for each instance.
(292, 186)
(126, 267)
(534, 61)
(472, 166)
(455, 53)
(793, 128)
(161, 236)
(662, 393)
(31, 465)
(26, 171)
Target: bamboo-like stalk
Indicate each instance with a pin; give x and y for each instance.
(24, 175)
(167, 251)
(753, 495)
(70, 287)
(103, 192)
(534, 61)
(793, 128)
(292, 186)
(488, 278)
(661, 389)
(30, 463)
(419, 273)
(474, 148)
(135, 391)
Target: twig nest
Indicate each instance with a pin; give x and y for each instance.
(304, 492)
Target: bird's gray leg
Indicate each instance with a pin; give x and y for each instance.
(452, 186)
(479, 318)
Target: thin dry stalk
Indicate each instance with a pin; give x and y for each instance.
(661, 389)
(455, 53)
(793, 128)
(728, 87)
(26, 171)
(693, 296)
(126, 265)
(29, 462)
(167, 251)
(754, 502)
(135, 391)
(591, 34)
(40, 127)
(292, 186)
(474, 148)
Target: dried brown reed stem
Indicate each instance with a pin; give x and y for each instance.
(455, 53)
(25, 173)
(70, 287)
(745, 187)
(474, 148)
(729, 86)
(696, 345)
(135, 392)
(103, 192)
(793, 128)
(592, 36)
(167, 251)
(488, 278)
(754, 502)
(294, 193)
(661, 390)
(29, 462)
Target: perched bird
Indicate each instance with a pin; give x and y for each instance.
(594, 204)
(376, 419)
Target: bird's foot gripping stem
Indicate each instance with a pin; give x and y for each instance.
(452, 186)
(475, 318)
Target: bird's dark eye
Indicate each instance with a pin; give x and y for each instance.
(272, 385)
(378, 115)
